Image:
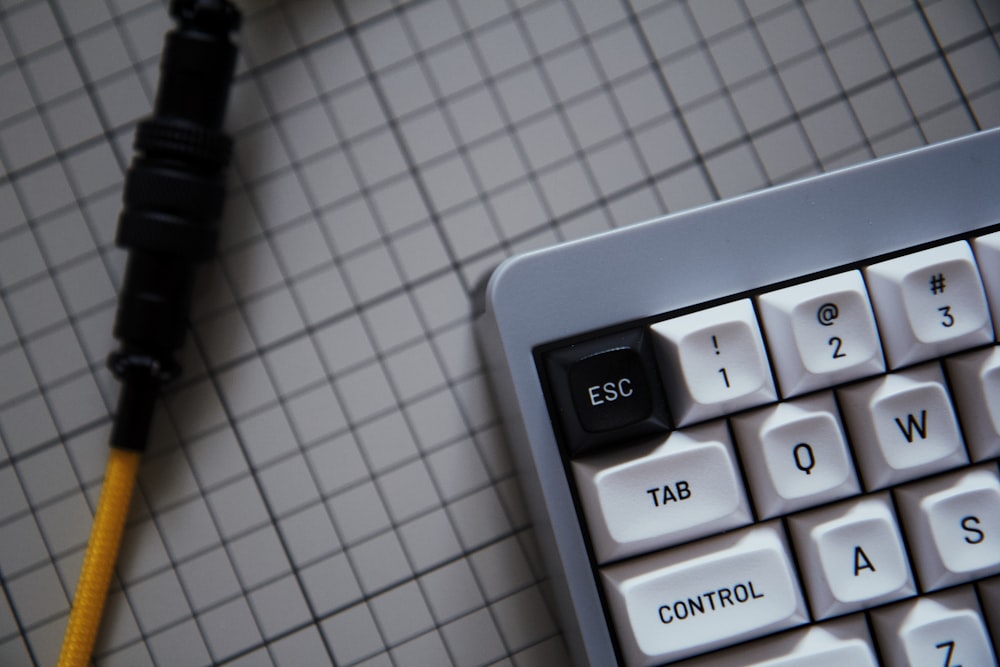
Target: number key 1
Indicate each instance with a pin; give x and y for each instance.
(713, 362)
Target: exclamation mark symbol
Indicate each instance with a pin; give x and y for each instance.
(715, 344)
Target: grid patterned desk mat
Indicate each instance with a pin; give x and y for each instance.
(328, 483)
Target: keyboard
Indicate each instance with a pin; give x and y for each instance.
(767, 431)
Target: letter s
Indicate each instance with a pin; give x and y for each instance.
(610, 391)
(977, 535)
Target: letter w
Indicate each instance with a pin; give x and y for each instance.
(913, 425)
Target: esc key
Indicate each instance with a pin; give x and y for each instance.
(606, 390)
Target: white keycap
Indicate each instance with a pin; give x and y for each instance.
(713, 362)
(842, 642)
(945, 629)
(851, 555)
(929, 304)
(795, 455)
(902, 426)
(823, 333)
(637, 499)
(988, 255)
(975, 384)
(703, 596)
(952, 524)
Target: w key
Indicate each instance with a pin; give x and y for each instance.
(903, 426)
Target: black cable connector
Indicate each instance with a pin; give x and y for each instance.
(172, 202)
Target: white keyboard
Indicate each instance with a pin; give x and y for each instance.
(767, 431)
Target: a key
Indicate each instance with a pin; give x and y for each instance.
(703, 596)
(825, 332)
(952, 524)
(713, 362)
(941, 630)
(654, 495)
(929, 304)
(795, 455)
(903, 426)
(852, 556)
(975, 381)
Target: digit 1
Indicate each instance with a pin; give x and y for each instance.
(725, 376)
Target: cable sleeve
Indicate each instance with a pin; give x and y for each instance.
(99, 561)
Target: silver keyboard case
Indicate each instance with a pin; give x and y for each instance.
(683, 260)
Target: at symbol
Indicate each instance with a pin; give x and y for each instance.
(827, 313)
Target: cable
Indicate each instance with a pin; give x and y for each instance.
(99, 562)
(172, 202)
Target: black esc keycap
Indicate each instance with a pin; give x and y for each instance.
(606, 390)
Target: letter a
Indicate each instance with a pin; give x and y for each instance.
(861, 561)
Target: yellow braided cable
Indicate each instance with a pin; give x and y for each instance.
(99, 561)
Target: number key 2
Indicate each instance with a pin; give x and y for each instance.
(825, 331)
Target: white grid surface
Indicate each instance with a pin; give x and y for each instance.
(328, 482)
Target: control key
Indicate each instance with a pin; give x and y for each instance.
(703, 596)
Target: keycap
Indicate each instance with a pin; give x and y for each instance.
(975, 382)
(842, 642)
(824, 331)
(795, 455)
(945, 629)
(929, 303)
(903, 426)
(607, 389)
(952, 524)
(851, 555)
(987, 249)
(702, 596)
(662, 493)
(713, 362)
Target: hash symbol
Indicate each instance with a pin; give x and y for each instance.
(937, 284)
